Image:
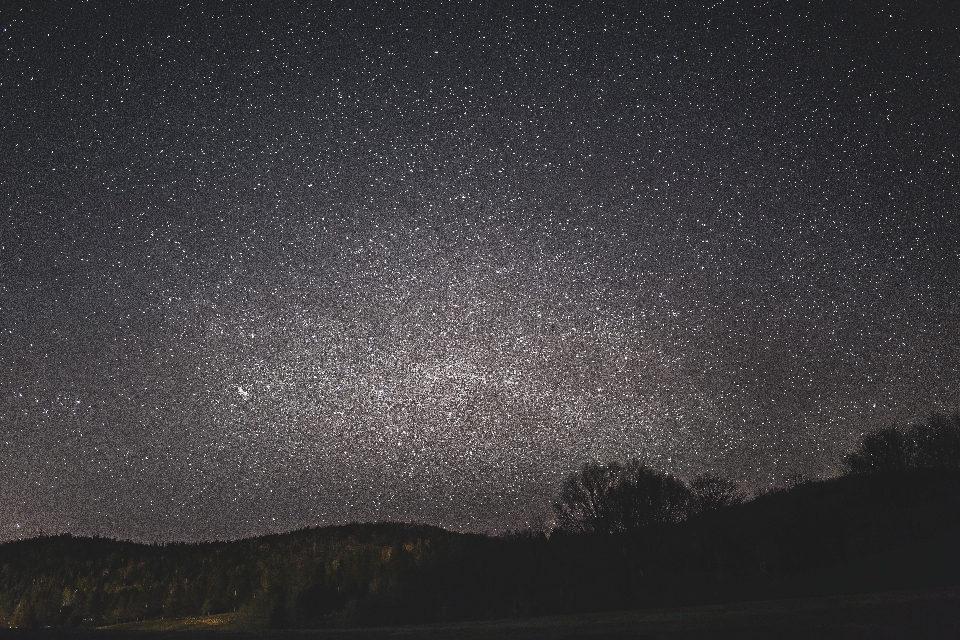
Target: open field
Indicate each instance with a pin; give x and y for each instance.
(927, 613)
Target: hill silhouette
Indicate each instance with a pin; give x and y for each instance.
(853, 534)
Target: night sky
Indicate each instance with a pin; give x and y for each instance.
(304, 263)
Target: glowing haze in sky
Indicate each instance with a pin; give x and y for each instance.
(305, 263)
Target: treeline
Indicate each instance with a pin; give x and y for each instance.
(323, 574)
(617, 498)
(627, 537)
(934, 444)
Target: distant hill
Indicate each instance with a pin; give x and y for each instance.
(852, 534)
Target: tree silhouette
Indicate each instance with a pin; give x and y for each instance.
(883, 450)
(711, 492)
(933, 444)
(937, 442)
(585, 503)
(618, 497)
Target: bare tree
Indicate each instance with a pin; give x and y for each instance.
(585, 503)
(619, 497)
(711, 492)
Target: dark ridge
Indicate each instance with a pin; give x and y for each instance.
(854, 534)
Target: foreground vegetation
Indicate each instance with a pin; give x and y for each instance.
(876, 529)
(925, 613)
(853, 534)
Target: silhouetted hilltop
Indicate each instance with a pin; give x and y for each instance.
(855, 533)
(850, 534)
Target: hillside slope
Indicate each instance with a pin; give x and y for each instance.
(848, 535)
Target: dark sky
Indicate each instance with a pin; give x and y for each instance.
(299, 263)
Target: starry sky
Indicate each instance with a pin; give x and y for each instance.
(277, 265)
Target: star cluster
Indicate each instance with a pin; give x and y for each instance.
(276, 266)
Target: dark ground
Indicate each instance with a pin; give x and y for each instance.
(927, 613)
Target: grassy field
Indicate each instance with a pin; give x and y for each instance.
(928, 613)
